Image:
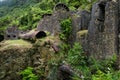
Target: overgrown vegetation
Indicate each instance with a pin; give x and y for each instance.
(66, 28)
(28, 74)
(86, 68)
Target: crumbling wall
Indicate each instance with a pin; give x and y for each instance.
(11, 33)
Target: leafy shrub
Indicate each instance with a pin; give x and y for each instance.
(82, 4)
(66, 27)
(78, 60)
(28, 74)
(76, 55)
(110, 75)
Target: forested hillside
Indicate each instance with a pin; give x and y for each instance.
(27, 13)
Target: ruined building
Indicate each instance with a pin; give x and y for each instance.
(102, 25)
(51, 22)
(11, 33)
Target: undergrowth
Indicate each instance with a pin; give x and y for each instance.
(28, 74)
(66, 28)
(84, 67)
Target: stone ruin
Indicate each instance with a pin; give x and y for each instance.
(12, 33)
(51, 22)
(103, 30)
(100, 26)
(101, 39)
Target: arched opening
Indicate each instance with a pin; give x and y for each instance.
(14, 36)
(61, 6)
(8, 36)
(101, 17)
(1, 38)
(45, 15)
(40, 34)
(102, 11)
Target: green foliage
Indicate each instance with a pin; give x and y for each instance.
(53, 73)
(79, 61)
(89, 67)
(53, 66)
(76, 56)
(103, 65)
(82, 4)
(56, 61)
(106, 76)
(27, 13)
(28, 74)
(66, 27)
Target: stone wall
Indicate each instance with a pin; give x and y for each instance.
(11, 33)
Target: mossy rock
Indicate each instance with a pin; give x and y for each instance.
(81, 36)
(82, 33)
(14, 58)
(12, 44)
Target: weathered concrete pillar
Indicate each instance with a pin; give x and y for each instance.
(103, 29)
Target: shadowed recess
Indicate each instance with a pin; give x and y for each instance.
(41, 34)
(45, 15)
(101, 17)
(1, 38)
(102, 11)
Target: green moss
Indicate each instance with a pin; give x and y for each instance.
(15, 44)
(82, 33)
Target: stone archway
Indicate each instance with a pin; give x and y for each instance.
(40, 34)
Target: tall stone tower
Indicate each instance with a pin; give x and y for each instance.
(104, 29)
